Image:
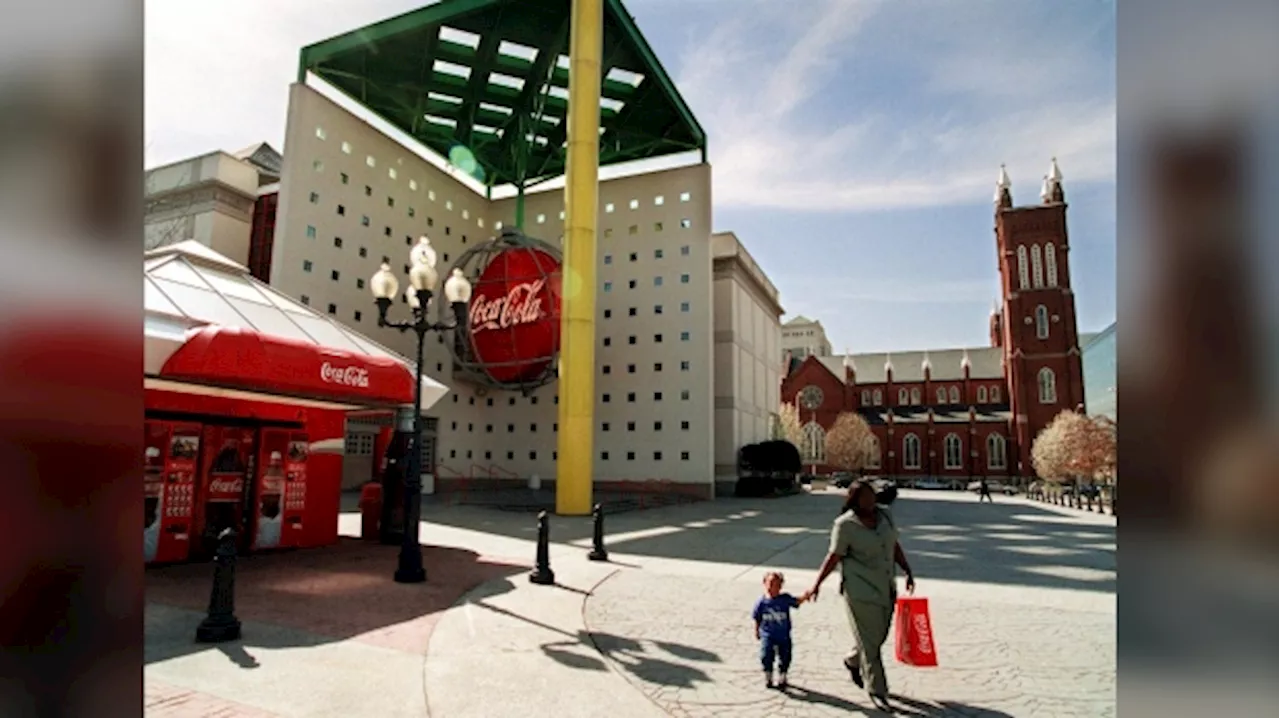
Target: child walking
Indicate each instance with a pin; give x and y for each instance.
(772, 615)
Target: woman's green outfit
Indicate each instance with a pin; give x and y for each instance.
(867, 584)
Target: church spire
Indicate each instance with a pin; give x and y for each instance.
(1004, 196)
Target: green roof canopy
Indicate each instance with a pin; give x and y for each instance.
(492, 76)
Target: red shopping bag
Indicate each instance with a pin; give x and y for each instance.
(914, 634)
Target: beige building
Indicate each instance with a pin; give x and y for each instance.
(802, 337)
(351, 197)
(748, 335)
(209, 199)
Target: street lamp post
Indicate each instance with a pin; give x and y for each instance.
(422, 286)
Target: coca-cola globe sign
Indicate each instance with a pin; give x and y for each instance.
(514, 315)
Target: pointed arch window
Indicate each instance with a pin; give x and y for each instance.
(873, 453)
(1037, 271)
(915, 397)
(815, 443)
(954, 395)
(952, 452)
(942, 395)
(982, 395)
(996, 452)
(866, 396)
(1051, 264)
(995, 395)
(902, 397)
(1042, 322)
(1048, 386)
(877, 398)
(910, 451)
(1022, 268)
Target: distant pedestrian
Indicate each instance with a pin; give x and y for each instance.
(864, 542)
(984, 491)
(772, 616)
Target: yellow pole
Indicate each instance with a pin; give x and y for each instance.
(578, 298)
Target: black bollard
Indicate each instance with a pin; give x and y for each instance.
(221, 624)
(542, 573)
(598, 552)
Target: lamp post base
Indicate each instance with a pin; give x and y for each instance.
(218, 629)
(411, 575)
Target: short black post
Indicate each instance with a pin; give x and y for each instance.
(598, 552)
(221, 624)
(542, 573)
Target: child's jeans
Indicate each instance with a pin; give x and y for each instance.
(771, 646)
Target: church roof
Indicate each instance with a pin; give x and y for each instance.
(946, 365)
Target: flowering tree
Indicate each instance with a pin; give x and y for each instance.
(788, 425)
(849, 442)
(1073, 447)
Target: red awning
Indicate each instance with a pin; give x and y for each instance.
(244, 359)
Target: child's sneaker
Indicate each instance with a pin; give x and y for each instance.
(768, 679)
(782, 682)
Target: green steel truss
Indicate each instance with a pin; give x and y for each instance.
(492, 76)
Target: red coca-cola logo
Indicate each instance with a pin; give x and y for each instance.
(226, 486)
(924, 641)
(514, 317)
(346, 376)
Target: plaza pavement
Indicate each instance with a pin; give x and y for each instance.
(1022, 597)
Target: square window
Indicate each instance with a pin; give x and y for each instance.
(606, 369)
(306, 265)
(448, 204)
(608, 341)
(488, 402)
(344, 177)
(604, 456)
(604, 398)
(315, 198)
(317, 165)
(321, 133)
(488, 454)
(364, 252)
(608, 259)
(631, 284)
(634, 256)
(604, 426)
(391, 201)
(657, 396)
(659, 201)
(684, 426)
(562, 214)
(608, 232)
(657, 366)
(684, 395)
(466, 214)
(657, 281)
(684, 456)
(631, 368)
(334, 275)
(633, 229)
(386, 231)
(684, 336)
(657, 254)
(657, 309)
(342, 210)
(358, 315)
(608, 313)
(431, 195)
(542, 219)
(533, 456)
(364, 220)
(555, 426)
(684, 365)
(368, 191)
(305, 299)
(391, 172)
(533, 428)
(413, 185)
(635, 204)
(657, 338)
(631, 339)
(684, 306)
(684, 196)
(631, 397)
(657, 426)
(346, 148)
(333, 308)
(453, 453)
(511, 455)
(369, 160)
(631, 456)
(631, 312)
(686, 223)
(311, 232)
(337, 242)
(684, 250)
(608, 286)
(684, 279)
(657, 456)
(657, 226)
(631, 426)
(608, 208)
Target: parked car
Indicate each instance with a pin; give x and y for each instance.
(932, 484)
(842, 479)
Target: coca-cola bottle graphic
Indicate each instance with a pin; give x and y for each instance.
(269, 502)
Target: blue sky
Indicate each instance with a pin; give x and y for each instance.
(855, 145)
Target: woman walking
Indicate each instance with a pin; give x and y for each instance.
(864, 542)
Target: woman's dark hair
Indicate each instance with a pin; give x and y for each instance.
(851, 498)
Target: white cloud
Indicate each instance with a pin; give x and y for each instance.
(1020, 103)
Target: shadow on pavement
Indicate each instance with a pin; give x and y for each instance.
(310, 597)
(947, 535)
(912, 707)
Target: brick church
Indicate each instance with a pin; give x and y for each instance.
(957, 414)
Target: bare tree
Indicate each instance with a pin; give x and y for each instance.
(849, 442)
(170, 203)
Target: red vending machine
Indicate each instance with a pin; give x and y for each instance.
(174, 448)
(267, 514)
(228, 464)
(295, 488)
